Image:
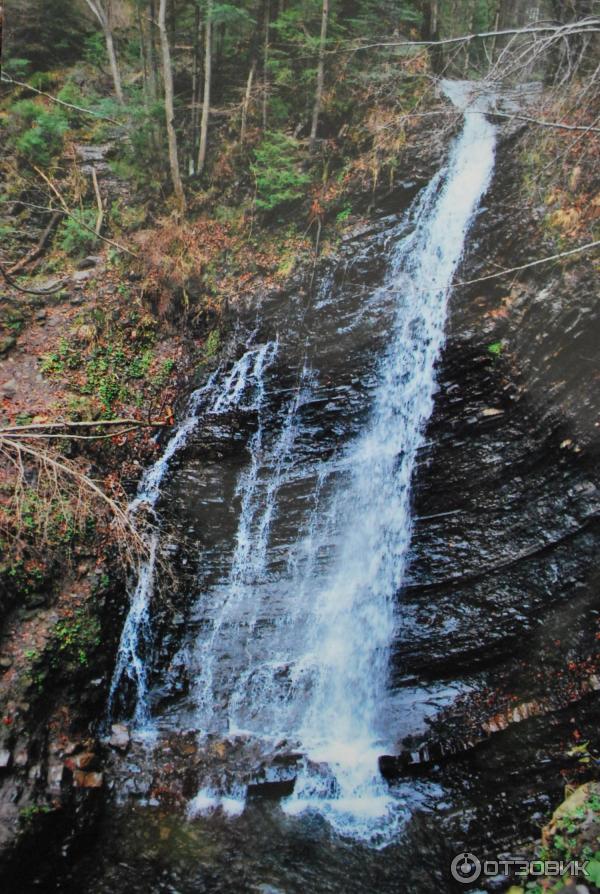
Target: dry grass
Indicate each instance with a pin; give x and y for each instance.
(47, 499)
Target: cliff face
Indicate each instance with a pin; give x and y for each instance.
(512, 464)
(503, 584)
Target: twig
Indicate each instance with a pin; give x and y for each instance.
(8, 278)
(70, 437)
(69, 105)
(82, 223)
(54, 469)
(562, 254)
(39, 248)
(100, 218)
(98, 423)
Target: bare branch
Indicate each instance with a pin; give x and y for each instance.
(60, 482)
(563, 254)
(8, 278)
(582, 26)
(35, 253)
(82, 223)
(542, 123)
(100, 218)
(97, 423)
(69, 105)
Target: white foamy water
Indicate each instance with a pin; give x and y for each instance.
(242, 386)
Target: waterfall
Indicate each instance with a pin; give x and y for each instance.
(356, 612)
(241, 387)
(316, 668)
(292, 641)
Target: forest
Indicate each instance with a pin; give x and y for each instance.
(299, 477)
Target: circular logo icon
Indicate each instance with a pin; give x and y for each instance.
(465, 868)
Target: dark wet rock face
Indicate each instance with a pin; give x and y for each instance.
(503, 583)
(506, 498)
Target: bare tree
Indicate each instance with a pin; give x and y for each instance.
(246, 104)
(170, 106)
(196, 68)
(207, 81)
(265, 100)
(103, 14)
(320, 76)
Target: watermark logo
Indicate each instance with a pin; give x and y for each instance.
(467, 868)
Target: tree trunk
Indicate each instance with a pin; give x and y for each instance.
(430, 20)
(246, 104)
(434, 16)
(495, 27)
(114, 66)
(153, 53)
(195, 93)
(468, 43)
(103, 17)
(265, 101)
(143, 58)
(320, 76)
(169, 106)
(206, 97)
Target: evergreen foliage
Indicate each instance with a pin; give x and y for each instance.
(39, 131)
(47, 33)
(279, 180)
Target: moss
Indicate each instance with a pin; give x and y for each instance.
(113, 368)
(212, 344)
(23, 578)
(573, 834)
(75, 639)
(28, 814)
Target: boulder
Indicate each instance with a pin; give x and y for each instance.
(82, 275)
(7, 343)
(120, 738)
(8, 389)
(89, 261)
(81, 779)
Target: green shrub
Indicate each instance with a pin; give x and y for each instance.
(76, 638)
(40, 131)
(76, 235)
(72, 94)
(16, 68)
(94, 49)
(41, 80)
(212, 344)
(279, 180)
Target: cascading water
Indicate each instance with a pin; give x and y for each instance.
(243, 384)
(356, 616)
(294, 625)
